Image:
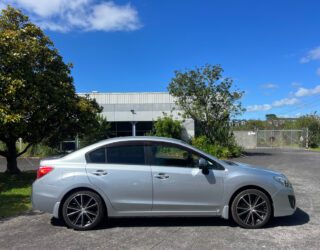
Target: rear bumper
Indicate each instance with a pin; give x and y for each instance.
(284, 202)
(43, 197)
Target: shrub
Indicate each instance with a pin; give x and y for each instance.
(216, 150)
(167, 127)
(41, 150)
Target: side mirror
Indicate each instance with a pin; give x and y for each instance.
(203, 164)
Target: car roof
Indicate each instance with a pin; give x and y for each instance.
(122, 139)
(140, 138)
(79, 154)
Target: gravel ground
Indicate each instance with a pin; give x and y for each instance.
(35, 230)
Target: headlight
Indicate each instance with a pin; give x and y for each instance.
(282, 180)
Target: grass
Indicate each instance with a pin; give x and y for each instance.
(314, 149)
(15, 192)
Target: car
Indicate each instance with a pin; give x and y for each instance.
(154, 176)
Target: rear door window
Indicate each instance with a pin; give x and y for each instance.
(97, 156)
(126, 154)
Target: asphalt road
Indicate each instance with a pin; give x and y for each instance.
(24, 163)
(35, 230)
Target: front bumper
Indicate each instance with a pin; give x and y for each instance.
(284, 202)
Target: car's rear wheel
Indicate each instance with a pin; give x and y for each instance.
(83, 210)
(251, 208)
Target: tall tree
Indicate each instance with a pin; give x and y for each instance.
(271, 117)
(99, 131)
(37, 96)
(206, 97)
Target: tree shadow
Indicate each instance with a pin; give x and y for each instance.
(25, 213)
(13, 204)
(252, 153)
(14, 181)
(298, 218)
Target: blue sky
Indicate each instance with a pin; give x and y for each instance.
(270, 48)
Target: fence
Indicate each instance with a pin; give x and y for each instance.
(272, 138)
(282, 138)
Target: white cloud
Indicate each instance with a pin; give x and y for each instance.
(86, 15)
(296, 84)
(285, 102)
(2, 6)
(318, 71)
(269, 86)
(275, 104)
(313, 54)
(255, 108)
(109, 17)
(297, 115)
(307, 92)
(304, 60)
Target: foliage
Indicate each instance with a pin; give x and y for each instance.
(100, 131)
(271, 117)
(15, 193)
(206, 97)
(254, 125)
(167, 127)
(216, 150)
(38, 99)
(41, 150)
(312, 122)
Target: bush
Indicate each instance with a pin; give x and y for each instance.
(41, 150)
(167, 127)
(216, 150)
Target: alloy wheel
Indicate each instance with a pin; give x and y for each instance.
(82, 210)
(252, 209)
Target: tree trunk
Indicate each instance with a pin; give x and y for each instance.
(12, 166)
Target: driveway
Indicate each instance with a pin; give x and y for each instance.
(24, 163)
(301, 230)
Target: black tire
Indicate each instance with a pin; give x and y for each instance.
(83, 210)
(251, 209)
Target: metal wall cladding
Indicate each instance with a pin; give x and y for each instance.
(164, 107)
(131, 98)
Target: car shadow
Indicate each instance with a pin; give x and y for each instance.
(298, 218)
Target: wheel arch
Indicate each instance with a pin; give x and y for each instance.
(65, 196)
(239, 190)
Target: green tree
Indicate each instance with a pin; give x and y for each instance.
(38, 102)
(271, 117)
(99, 131)
(253, 125)
(206, 97)
(312, 123)
(167, 127)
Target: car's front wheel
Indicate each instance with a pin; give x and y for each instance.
(83, 210)
(251, 208)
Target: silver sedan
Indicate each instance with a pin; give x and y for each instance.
(152, 176)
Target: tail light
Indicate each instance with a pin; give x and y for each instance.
(43, 170)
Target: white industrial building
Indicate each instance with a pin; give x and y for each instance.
(134, 113)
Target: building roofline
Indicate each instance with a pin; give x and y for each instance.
(121, 93)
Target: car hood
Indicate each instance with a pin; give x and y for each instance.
(250, 168)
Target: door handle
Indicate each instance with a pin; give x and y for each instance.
(161, 176)
(100, 172)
